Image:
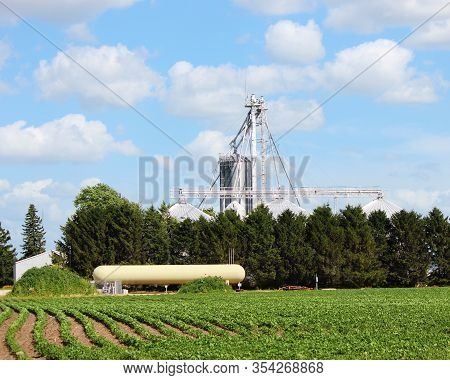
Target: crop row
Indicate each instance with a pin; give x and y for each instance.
(375, 324)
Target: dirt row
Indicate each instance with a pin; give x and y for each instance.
(24, 336)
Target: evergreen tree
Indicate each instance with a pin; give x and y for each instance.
(227, 228)
(105, 229)
(261, 258)
(125, 232)
(361, 266)
(208, 243)
(381, 226)
(437, 235)
(324, 235)
(184, 242)
(33, 234)
(84, 241)
(156, 244)
(408, 258)
(296, 256)
(7, 258)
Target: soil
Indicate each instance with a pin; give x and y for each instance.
(79, 333)
(5, 354)
(129, 330)
(24, 337)
(199, 329)
(106, 333)
(177, 330)
(232, 333)
(152, 330)
(52, 331)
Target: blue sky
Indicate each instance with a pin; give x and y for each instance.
(187, 65)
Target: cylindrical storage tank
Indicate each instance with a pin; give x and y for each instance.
(166, 274)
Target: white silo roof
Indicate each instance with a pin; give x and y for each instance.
(278, 206)
(181, 211)
(381, 204)
(237, 208)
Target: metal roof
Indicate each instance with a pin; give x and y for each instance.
(237, 208)
(181, 211)
(278, 206)
(381, 204)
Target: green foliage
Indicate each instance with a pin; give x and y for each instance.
(261, 258)
(206, 285)
(345, 250)
(380, 226)
(361, 265)
(33, 234)
(408, 260)
(156, 243)
(226, 230)
(10, 336)
(99, 195)
(371, 324)
(51, 281)
(7, 258)
(184, 242)
(296, 256)
(325, 237)
(437, 238)
(105, 229)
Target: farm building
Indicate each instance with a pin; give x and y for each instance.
(38, 261)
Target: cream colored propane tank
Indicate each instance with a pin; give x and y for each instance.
(166, 274)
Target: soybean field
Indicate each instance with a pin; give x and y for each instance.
(342, 324)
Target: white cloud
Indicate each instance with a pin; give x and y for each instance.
(423, 200)
(71, 138)
(278, 7)
(217, 92)
(416, 90)
(4, 185)
(375, 15)
(285, 113)
(65, 11)
(31, 192)
(122, 70)
(209, 143)
(434, 35)
(90, 182)
(52, 199)
(391, 79)
(80, 32)
(204, 91)
(287, 41)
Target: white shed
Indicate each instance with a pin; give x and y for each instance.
(38, 261)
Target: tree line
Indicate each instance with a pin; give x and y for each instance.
(347, 249)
